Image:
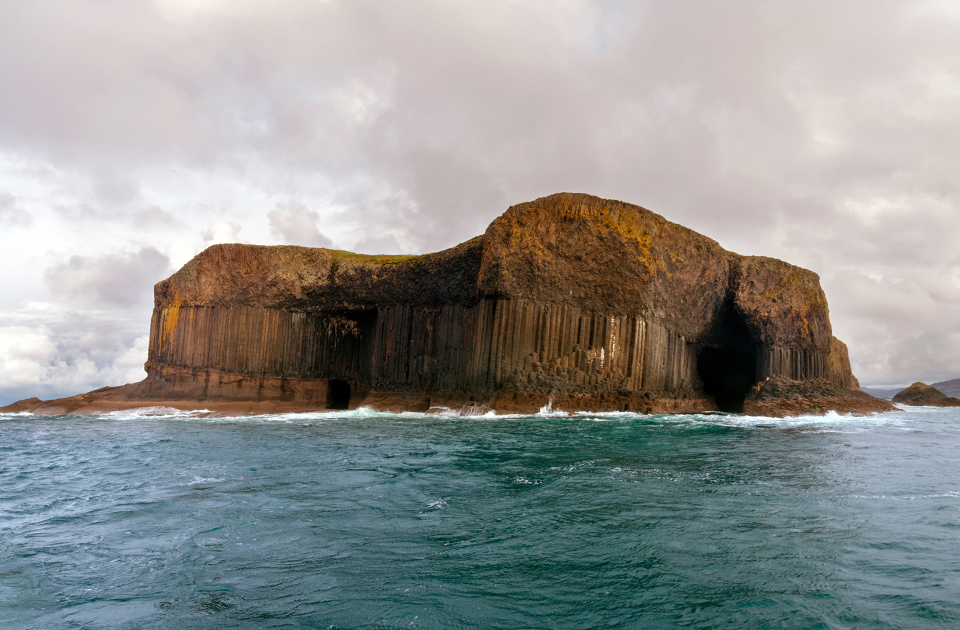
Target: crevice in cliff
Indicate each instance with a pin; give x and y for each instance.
(727, 361)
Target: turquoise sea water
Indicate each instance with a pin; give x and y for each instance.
(363, 520)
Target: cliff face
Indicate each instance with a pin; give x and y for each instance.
(592, 303)
(598, 303)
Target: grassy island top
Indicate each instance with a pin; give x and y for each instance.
(378, 259)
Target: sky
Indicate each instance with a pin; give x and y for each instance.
(135, 133)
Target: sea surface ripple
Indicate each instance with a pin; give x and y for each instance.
(163, 519)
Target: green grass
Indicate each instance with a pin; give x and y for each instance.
(379, 259)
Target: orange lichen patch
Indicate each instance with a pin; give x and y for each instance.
(527, 242)
(168, 319)
(644, 244)
(630, 223)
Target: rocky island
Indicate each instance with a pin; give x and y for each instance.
(921, 394)
(570, 300)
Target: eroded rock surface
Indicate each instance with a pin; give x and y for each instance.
(589, 303)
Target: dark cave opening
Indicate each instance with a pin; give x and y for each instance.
(338, 394)
(727, 362)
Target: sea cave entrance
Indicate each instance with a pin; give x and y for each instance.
(338, 394)
(727, 362)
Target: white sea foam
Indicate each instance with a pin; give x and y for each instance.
(829, 422)
(954, 494)
(198, 479)
(548, 410)
(921, 408)
(19, 414)
(159, 413)
(201, 481)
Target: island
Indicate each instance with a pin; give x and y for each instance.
(923, 395)
(567, 302)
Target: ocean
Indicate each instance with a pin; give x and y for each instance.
(163, 519)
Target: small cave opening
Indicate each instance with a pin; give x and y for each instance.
(727, 362)
(338, 394)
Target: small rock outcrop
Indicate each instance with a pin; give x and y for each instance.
(921, 394)
(569, 300)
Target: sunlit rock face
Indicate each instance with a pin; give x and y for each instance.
(597, 303)
(570, 300)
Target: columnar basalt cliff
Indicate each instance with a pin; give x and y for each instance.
(589, 303)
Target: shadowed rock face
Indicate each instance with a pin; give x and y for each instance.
(595, 304)
(921, 394)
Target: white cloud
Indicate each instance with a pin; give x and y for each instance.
(24, 353)
(219, 232)
(296, 224)
(360, 103)
(56, 358)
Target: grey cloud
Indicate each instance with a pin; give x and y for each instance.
(381, 244)
(927, 354)
(10, 214)
(824, 133)
(114, 189)
(295, 224)
(894, 301)
(69, 351)
(135, 215)
(153, 216)
(122, 280)
(898, 327)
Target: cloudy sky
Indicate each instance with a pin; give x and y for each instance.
(135, 133)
